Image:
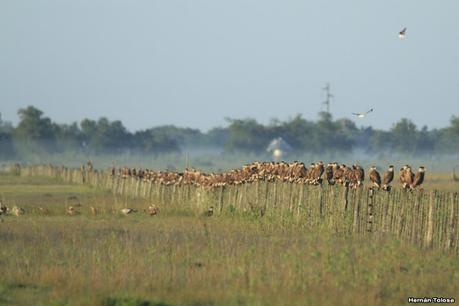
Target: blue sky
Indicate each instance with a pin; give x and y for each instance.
(193, 63)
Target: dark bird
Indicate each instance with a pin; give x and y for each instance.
(329, 174)
(362, 115)
(402, 33)
(359, 175)
(388, 178)
(375, 178)
(3, 209)
(419, 178)
(210, 211)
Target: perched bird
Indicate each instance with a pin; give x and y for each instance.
(358, 175)
(400, 174)
(406, 176)
(153, 210)
(127, 211)
(402, 33)
(387, 178)
(210, 211)
(375, 178)
(329, 174)
(338, 174)
(17, 211)
(362, 115)
(419, 178)
(317, 172)
(72, 211)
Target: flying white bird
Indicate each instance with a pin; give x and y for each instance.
(402, 33)
(361, 115)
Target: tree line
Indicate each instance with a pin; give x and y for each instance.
(38, 134)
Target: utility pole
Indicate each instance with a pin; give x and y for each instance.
(328, 97)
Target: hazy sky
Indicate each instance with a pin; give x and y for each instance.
(193, 63)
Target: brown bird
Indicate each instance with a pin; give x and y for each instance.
(338, 173)
(406, 176)
(401, 177)
(387, 178)
(72, 211)
(153, 210)
(402, 33)
(375, 178)
(318, 171)
(17, 211)
(358, 174)
(419, 178)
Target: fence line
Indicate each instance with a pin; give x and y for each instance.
(428, 219)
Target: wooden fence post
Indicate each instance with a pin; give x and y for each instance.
(430, 221)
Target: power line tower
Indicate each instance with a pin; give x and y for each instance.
(328, 97)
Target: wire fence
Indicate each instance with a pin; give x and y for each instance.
(427, 219)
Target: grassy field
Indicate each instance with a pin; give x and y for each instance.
(180, 257)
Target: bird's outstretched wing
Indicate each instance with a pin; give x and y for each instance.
(356, 114)
(401, 34)
(369, 111)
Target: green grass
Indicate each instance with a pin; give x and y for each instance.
(182, 258)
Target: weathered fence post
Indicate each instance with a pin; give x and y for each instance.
(370, 210)
(430, 221)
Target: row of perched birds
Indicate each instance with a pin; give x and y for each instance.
(295, 172)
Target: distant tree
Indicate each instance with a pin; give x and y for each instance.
(104, 136)
(34, 132)
(425, 141)
(363, 138)
(155, 141)
(7, 150)
(216, 137)
(330, 135)
(182, 136)
(298, 132)
(6, 140)
(5, 126)
(68, 137)
(246, 135)
(381, 142)
(405, 136)
(448, 138)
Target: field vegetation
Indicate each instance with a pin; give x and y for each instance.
(181, 257)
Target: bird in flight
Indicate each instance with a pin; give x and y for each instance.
(361, 115)
(402, 33)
